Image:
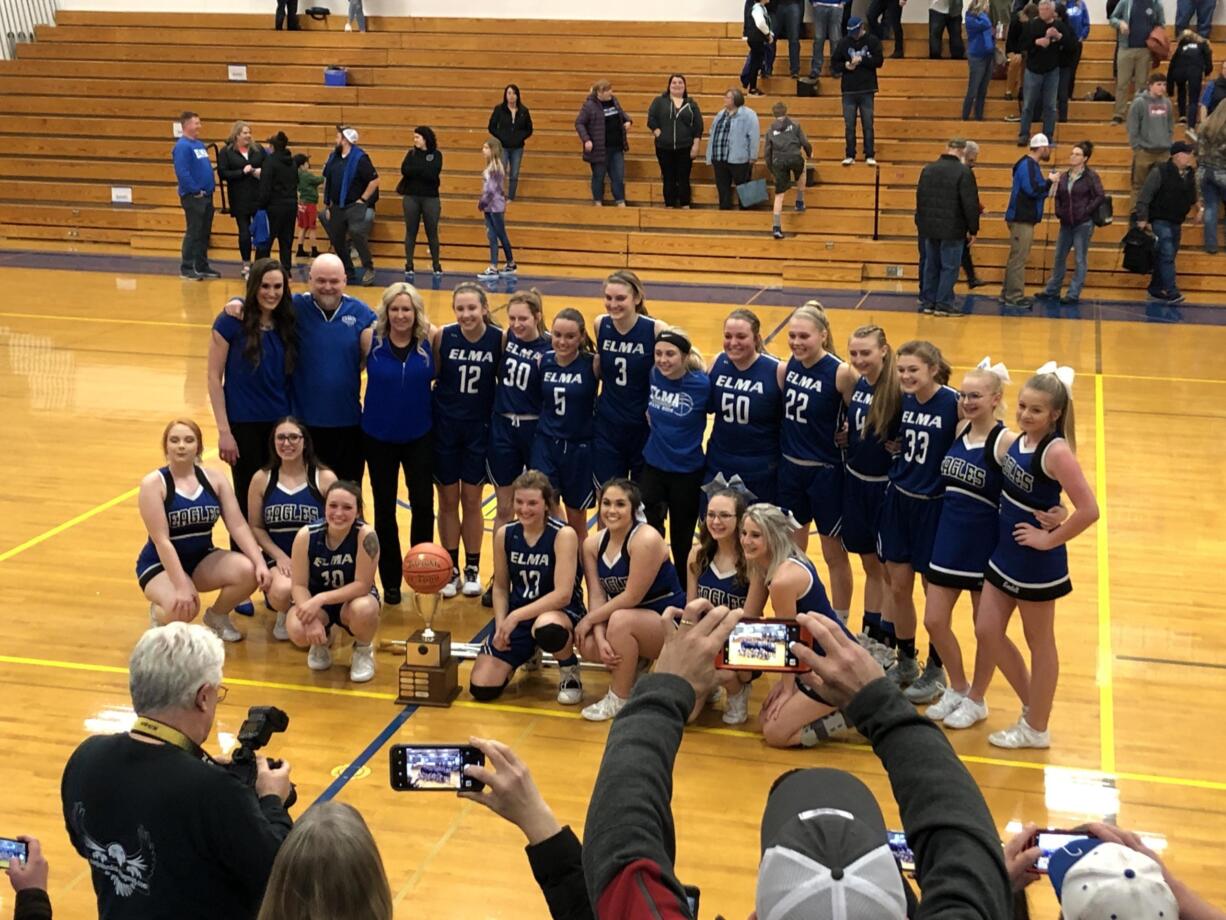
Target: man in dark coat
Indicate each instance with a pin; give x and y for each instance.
(947, 219)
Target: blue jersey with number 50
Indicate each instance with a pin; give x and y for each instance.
(464, 391)
(568, 397)
(515, 394)
(924, 437)
(748, 406)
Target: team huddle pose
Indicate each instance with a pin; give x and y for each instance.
(876, 453)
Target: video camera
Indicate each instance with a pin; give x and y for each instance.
(261, 724)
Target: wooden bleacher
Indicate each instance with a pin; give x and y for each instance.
(90, 104)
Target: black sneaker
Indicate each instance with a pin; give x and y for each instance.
(949, 310)
(208, 274)
(973, 283)
(928, 308)
(777, 233)
(487, 599)
(391, 597)
(1068, 301)
(1175, 298)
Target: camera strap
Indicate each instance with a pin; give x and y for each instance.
(159, 731)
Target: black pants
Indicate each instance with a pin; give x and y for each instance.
(351, 225)
(287, 9)
(242, 220)
(198, 215)
(886, 12)
(415, 210)
(252, 441)
(384, 461)
(675, 496)
(675, 168)
(282, 221)
(1186, 94)
(727, 176)
(340, 449)
(753, 67)
(1068, 80)
(939, 23)
(968, 264)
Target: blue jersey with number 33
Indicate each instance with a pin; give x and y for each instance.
(924, 437)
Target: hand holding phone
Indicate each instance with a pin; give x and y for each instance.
(12, 850)
(1048, 840)
(434, 767)
(510, 792)
(23, 859)
(763, 645)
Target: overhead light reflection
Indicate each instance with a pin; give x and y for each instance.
(111, 721)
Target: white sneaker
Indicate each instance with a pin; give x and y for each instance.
(452, 588)
(967, 714)
(736, 709)
(1020, 735)
(362, 664)
(714, 695)
(472, 582)
(870, 162)
(533, 663)
(950, 700)
(220, 624)
(570, 686)
(348, 27)
(279, 632)
(319, 658)
(847, 161)
(609, 706)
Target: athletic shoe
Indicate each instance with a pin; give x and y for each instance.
(905, 672)
(487, 599)
(154, 620)
(1117, 120)
(1013, 118)
(472, 582)
(490, 274)
(300, 254)
(870, 161)
(362, 664)
(736, 708)
(948, 310)
(608, 707)
(967, 714)
(245, 271)
(348, 27)
(190, 276)
(1175, 298)
(220, 624)
(509, 269)
(799, 206)
(245, 609)
(1069, 301)
(368, 278)
(438, 271)
(319, 658)
(533, 663)
(208, 274)
(950, 700)
(1020, 735)
(570, 687)
(409, 275)
(928, 308)
(452, 588)
(847, 161)
(777, 233)
(391, 597)
(929, 686)
(973, 283)
(279, 632)
(715, 694)
(1024, 304)
(823, 729)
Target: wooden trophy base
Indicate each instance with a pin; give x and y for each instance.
(427, 686)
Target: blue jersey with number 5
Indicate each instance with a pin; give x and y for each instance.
(748, 406)
(568, 397)
(464, 391)
(516, 395)
(924, 437)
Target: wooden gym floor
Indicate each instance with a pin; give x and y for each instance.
(95, 362)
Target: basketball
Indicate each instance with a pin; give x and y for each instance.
(427, 568)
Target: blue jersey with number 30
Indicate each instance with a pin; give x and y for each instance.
(924, 437)
(747, 406)
(464, 391)
(568, 397)
(515, 394)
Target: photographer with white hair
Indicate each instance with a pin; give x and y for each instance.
(167, 831)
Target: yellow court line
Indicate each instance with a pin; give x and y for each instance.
(1105, 677)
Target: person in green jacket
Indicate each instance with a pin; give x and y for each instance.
(308, 204)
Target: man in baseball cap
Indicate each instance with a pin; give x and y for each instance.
(1025, 211)
(1099, 880)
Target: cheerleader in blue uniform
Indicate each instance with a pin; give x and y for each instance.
(625, 339)
(179, 504)
(566, 381)
(748, 404)
(630, 581)
(1028, 568)
(286, 496)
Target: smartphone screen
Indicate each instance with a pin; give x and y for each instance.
(12, 850)
(434, 767)
(901, 850)
(1049, 841)
(691, 899)
(762, 645)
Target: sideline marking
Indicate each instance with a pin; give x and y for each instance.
(1105, 676)
(368, 752)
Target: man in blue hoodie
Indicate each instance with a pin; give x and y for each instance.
(194, 171)
(1024, 212)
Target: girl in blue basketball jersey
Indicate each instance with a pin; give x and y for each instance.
(1028, 569)
(748, 404)
(334, 562)
(538, 595)
(816, 384)
(285, 496)
(466, 354)
(625, 339)
(630, 583)
(566, 380)
(179, 504)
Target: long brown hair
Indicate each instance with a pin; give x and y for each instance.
(930, 355)
(887, 392)
(586, 345)
(708, 546)
(284, 319)
(755, 325)
(629, 279)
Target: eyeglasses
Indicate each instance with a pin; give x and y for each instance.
(289, 438)
(222, 690)
(720, 516)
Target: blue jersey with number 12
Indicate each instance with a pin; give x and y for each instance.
(464, 391)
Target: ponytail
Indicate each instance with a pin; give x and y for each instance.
(887, 393)
(570, 313)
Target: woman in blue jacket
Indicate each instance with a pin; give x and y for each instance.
(980, 58)
(1077, 14)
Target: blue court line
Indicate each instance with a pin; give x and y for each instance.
(371, 749)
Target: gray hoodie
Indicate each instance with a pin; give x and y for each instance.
(784, 141)
(1151, 122)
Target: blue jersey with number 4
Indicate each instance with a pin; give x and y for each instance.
(464, 391)
(924, 437)
(568, 397)
(626, 360)
(515, 394)
(747, 406)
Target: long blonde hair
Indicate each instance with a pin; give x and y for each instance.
(777, 528)
(814, 312)
(235, 131)
(887, 391)
(493, 166)
(694, 360)
(1061, 401)
(420, 336)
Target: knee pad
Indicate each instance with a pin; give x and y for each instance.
(486, 694)
(551, 637)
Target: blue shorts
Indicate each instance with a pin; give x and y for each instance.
(459, 451)
(149, 565)
(334, 612)
(813, 493)
(862, 500)
(523, 643)
(660, 604)
(568, 464)
(617, 450)
(510, 450)
(907, 529)
(760, 475)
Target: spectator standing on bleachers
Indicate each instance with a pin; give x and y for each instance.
(856, 60)
(287, 15)
(947, 220)
(1165, 200)
(980, 59)
(356, 17)
(308, 204)
(1202, 9)
(1211, 160)
(279, 196)
(1015, 56)
(420, 172)
(1213, 95)
(603, 127)
(1043, 41)
(1029, 191)
(1079, 192)
(1151, 129)
(756, 30)
(1133, 20)
(194, 173)
(1191, 63)
(493, 205)
(733, 146)
(786, 150)
(238, 164)
(827, 26)
(351, 188)
(511, 123)
(882, 13)
(970, 156)
(788, 17)
(945, 16)
(675, 121)
(1077, 15)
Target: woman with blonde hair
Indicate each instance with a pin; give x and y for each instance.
(239, 165)
(493, 204)
(602, 126)
(980, 58)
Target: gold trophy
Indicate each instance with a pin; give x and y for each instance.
(429, 675)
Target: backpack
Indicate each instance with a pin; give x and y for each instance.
(1104, 213)
(1138, 246)
(261, 233)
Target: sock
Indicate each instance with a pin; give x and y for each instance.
(843, 615)
(906, 648)
(568, 662)
(800, 195)
(934, 657)
(455, 560)
(887, 634)
(872, 624)
(778, 221)
(472, 560)
(822, 729)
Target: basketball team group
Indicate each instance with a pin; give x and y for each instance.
(970, 482)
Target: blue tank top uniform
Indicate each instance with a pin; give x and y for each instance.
(331, 568)
(665, 590)
(966, 534)
(677, 410)
(815, 601)
(722, 588)
(911, 511)
(811, 465)
(626, 362)
(744, 438)
(517, 408)
(190, 519)
(463, 401)
(1020, 571)
(530, 574)
(286, 511)
(258, 393)
(562, 449)
(867, 464)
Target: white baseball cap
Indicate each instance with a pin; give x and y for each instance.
(1099, 881)
(1039, 140)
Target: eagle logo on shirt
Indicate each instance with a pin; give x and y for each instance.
(128, 872)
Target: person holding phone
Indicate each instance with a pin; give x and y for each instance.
(28, 876)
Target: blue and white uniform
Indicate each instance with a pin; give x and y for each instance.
(665, 590)
(530, 574)
(678, 413)
(330, 568)
(517, 409)
(966, 534)
(626, 361)
(814, 601)
(190, 519)
(745, 435)
(562, 449)
(286, 511)
(811, 465)
(912, 507)
(867, 463)
(463, 401)
(1020, 571)
(725, 588)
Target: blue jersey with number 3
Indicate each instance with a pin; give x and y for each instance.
(924, 437)
(568, 397)
(464, 391)
(515, 394)
(747, 406)
(626, 360)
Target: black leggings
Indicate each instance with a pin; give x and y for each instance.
(243, 220)
(415, 211)
(675, 495)
(340, 449)
(252, 441)
(282, 220)
(384, 461)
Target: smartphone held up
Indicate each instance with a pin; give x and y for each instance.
(763, 645)
(434, 767)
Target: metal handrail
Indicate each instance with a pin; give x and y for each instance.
(18, 21)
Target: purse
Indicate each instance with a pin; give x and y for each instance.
(1104, 213)
(752, 192)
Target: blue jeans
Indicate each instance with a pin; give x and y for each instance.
(942, 259)
(787, 16)
(1184, 9)
(614, 167)
(496, 232)
(357, 14)
(862, 103)
(1168, 234)
(1213, 191)
(511, 159)
(977, 86)
(1078, 239)
(1040, 89)
(827, 25)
